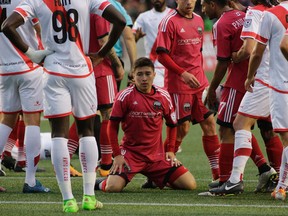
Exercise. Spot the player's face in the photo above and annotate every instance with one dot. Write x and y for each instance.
(186, 7)
(159, 5)
(144, 77)
(209, 9)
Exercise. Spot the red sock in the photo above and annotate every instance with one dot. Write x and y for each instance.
(274, 149)
(73, 140)
(102, 185)
(106, 149)
(211, 147)
(225, 161)
(21, 159)
(256, 154)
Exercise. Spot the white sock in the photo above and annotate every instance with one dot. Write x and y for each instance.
(61, 161)
(283, 175)
(243, 144)
(5, 132)
(88, 154)
(32, 141)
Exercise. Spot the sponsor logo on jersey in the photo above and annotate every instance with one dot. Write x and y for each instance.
(247, 23)
(5, 2)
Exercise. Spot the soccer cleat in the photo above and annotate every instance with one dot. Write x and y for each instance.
(228, 188)
(272, 183)
(264, 179)
(70, 206)
(91, 203)
(103, 173)
(215, 184)
(19, 168)
(8, 162)
(74, 172)
(149, 185)
(38, 188)
(279, 194)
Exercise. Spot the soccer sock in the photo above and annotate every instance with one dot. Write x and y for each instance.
(11, 141)
(283, 180)
(21, 157)
(88, 156)
(211, 147)
(102, 185)
(97, 128)
(243, 149)
(5, 132)
(225, 161)
(73, 141)
(61, 162)
(274, 149)
(106, 149)
(32, 142)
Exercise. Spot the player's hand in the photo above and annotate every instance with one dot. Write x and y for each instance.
(118, 164)
(249, 83)
(211, 101)
(37, 56)
(234, 57)
(119, 73)
(130, 80)
(139, 34)
(170, 156)
(190, 80)
(95, 59)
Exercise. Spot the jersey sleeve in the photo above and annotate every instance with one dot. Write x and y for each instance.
(265, 27)
(26, 9)
(119, 107)
(164, 36)
(251, 24)
(168, 109)
(98, 6)
(222, 37)
(101, 25)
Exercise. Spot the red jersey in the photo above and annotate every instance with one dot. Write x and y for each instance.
(226, 38)
(142, 116)
(182, 39)
(99, 27)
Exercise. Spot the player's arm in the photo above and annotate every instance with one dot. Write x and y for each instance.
(9, 27)
(130, 44)
(284, 46)
(245, 51)
(220, 71)
(170, 64)
(254, 62)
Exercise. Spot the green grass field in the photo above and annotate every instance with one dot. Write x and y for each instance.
(136, 201)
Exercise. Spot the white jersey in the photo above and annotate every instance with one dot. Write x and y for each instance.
(250, 30)
(12, 60)
(65, 30)
(149, 22)
(271, 30)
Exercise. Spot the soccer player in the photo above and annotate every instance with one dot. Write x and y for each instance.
(253, 106)
(271, 30)
(284, 45)
(21, 90)
(69, 83)
(140, 109)
(179, 49)
(146, 25)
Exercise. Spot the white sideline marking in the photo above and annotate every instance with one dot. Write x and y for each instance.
(156, 204)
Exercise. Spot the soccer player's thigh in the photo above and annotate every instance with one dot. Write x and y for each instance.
(10, 99)
(31, 91)
(199, 110)
(106, 89)
(279, 110)
(256, 104)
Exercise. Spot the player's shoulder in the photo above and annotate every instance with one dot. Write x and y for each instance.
(169, 18)
(163, 92)
(125, 92)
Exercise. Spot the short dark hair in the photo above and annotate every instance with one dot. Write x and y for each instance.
(143, 62)
(218, 2)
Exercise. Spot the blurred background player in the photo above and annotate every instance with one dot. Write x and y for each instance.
(146, 26)
(179, 49)
(284, 45)
(140, 109)
(21, 90)
(69, 83)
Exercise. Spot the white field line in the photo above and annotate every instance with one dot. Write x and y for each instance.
(153, 204)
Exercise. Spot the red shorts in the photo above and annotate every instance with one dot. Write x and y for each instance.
(160, 172)
(228, 108)
(190, 107)
(106, 88)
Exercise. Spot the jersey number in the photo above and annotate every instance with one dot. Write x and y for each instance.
(64, 23)
(3, 16)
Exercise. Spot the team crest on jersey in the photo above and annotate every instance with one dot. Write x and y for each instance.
(187, 107)
(200, 30)
(157, 105)
(4, 2)
(247, 23)
(173, 117)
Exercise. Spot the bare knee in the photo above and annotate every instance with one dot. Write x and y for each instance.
(114, 184)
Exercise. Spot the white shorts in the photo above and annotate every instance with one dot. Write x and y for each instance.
(22, 92)
(159, 78)
(279, 111)
(64, 96)
(257, 104)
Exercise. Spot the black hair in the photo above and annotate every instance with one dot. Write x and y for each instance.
(143, 62)
(219, 2)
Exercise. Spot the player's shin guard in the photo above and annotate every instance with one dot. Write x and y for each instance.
(256, 154)
(225, 161)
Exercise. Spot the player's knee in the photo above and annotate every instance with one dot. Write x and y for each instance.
(113, 188)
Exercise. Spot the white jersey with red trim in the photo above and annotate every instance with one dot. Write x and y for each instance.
(271, 30)
(250, 30)
(12, 60)
(65, 30)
